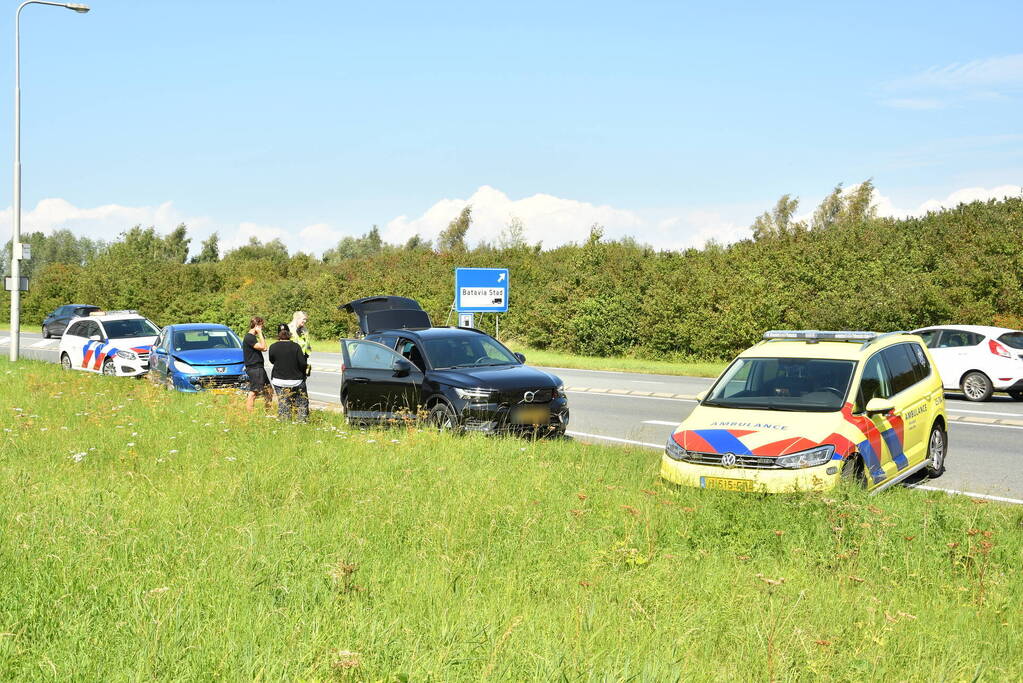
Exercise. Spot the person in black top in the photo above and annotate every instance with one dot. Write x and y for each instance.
(253, 346)
(288, 379)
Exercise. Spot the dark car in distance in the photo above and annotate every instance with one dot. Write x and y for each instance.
(462, 378)
(56, 322)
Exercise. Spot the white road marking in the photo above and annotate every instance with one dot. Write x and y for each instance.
(41, 344)
(616, 439)
(643, 381)
(960, 423)
(320, 393)
(660, 422)
(655, 398)
(983, 412)
(5, 340)
(956, 492)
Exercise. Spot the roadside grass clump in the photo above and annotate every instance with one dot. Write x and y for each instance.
(147, 534)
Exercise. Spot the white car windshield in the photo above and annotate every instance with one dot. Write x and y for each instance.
(130, 327)
(799, 384)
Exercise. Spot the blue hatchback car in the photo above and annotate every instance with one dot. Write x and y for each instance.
(196, 356)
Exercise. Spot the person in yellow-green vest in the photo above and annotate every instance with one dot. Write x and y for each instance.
(300, 335)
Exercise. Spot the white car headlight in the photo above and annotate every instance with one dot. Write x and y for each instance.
(808, 458)
(674, 451)
(477, 394)
(183, 367)
(127, 355)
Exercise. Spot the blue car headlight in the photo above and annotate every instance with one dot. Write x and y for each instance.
(183, 367)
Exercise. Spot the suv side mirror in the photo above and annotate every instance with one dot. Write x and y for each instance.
(401, 367)
(877, 406)
(95, 337)
(521, 357)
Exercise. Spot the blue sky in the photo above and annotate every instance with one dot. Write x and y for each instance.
(675, 122)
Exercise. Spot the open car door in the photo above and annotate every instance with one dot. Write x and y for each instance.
(377, 313)
(378, 384)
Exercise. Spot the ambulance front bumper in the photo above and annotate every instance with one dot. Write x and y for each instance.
(820, 478)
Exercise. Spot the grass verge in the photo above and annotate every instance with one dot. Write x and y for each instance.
(558, 359)
(146, 534)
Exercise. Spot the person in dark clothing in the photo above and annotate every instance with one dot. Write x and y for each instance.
(288, 378)
(253, 346)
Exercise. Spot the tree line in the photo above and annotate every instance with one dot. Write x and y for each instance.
(843, 268)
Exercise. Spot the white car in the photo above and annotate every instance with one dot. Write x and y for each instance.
(111, 342)
(976, 359)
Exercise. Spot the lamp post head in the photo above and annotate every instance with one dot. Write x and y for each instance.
(81, 9)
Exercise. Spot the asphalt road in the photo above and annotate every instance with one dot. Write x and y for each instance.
(985, 451)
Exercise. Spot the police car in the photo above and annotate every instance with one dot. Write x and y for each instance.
(110, 342)
(802, 410)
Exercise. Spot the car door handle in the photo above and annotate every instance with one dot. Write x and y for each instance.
(359, 380)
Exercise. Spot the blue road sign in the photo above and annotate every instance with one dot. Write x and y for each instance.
(481, 290)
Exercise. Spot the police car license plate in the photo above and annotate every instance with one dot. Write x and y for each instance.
(531, 415)
(726, 484)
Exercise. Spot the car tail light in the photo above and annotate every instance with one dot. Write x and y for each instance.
(998, 349)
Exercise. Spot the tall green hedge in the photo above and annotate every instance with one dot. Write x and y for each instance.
(606, 298)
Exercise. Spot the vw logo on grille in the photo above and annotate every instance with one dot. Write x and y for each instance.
(528, 396)
(728, 460)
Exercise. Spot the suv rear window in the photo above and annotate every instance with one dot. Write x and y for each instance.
(1013, 339)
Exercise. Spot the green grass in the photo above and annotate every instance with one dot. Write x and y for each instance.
(151, 535)
(6, 327)
(558, 359)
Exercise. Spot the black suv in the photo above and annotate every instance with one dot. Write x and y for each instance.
(463, 378)
(55, 323)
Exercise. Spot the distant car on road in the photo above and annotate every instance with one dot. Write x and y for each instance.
(976, 359)
(197, 356)
(111, 342)
(463, 378)
(804, 409)
(56, 322)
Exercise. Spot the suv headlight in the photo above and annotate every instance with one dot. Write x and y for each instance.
(674, 451)
(183, 367)
(477, 394)
(808, 458)
(127, 355)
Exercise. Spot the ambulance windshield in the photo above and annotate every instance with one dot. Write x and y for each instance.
(800, 384)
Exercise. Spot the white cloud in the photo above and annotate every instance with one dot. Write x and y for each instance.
(990, 79)
(886, 207)
(993, 72)
(545, 218)
(548, 219)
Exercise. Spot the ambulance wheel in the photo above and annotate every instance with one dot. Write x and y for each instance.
(65, 361)
(1016, 395)
(853, 473)
(976, 386)
(937, 449)
(108, 367)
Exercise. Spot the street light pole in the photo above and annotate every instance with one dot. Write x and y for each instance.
(16, 251)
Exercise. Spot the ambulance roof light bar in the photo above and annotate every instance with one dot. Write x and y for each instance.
(819, 335)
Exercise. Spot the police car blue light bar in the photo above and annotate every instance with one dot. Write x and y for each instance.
(820, 335)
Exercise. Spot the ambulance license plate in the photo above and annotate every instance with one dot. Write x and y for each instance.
(531, 415)
(726, 484)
